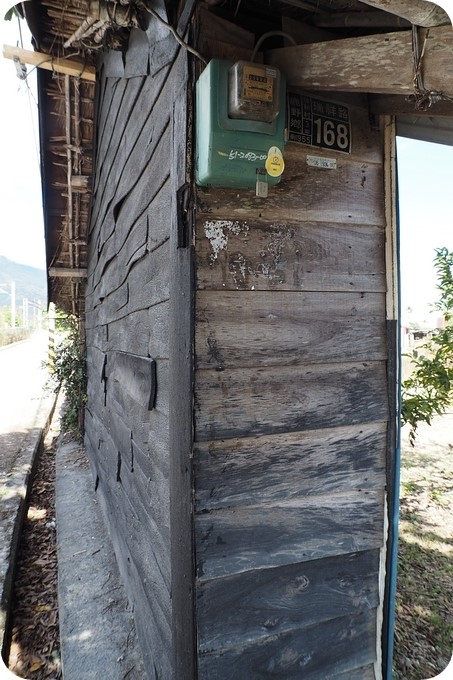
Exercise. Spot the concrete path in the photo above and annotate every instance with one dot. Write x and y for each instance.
(97, 632)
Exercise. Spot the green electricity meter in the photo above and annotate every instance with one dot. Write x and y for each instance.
(240, 125)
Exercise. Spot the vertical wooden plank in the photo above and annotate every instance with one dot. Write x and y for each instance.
(389, 550)
(181, 389)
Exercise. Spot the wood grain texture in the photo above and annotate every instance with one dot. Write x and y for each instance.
(143, 512)
(147, 333)
(149, 116)
(146, 284)
(129, 237)
(125, 399)
(181, 407)
(245, 402)
(151, 622)
(267, 469)
(111, 91)
(381, 63)
(351, 194)
(110, 147)
(298, 530)
(253, 254)
(137, 377)
(245, 328)
(255, 605)
(153, 615)
(363, 673)
(329, 648)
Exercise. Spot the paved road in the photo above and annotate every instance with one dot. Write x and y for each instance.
(24, 409)
(22, 378)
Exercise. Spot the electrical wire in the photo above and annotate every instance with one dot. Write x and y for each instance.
(178, 39)
(270, 34)
(30, 95)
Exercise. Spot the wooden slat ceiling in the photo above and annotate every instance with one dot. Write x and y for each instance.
(82, 29)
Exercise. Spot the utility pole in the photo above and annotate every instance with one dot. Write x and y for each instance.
(13, 304)
(12, 295)
(25, 312)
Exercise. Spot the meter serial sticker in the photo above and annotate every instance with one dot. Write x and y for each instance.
(257, 84)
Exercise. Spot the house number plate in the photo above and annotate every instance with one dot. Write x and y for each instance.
(318, 123)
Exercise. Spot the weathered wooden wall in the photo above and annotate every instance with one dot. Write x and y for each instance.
(129, 302)
(289, 395)
(291, 419)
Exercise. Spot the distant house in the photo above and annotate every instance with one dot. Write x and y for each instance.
(242, 349)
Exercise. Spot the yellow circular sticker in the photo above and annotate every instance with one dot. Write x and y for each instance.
(274, 162)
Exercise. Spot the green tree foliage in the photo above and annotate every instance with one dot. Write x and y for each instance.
(429, 390)
(69, 371)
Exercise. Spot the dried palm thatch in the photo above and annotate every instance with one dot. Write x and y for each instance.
(75, 29)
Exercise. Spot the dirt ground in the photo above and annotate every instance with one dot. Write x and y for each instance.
(424, 608)
(35, 645)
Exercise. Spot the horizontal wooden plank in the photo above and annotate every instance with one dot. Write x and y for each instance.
(137, 376)
(380, 63)
(142, 519)
(140, 471)
(152, 610)
(397, 105)
(272, 601)
(133, 231)
(252, 254)
(311, 653)
(245, 402)
(110, 148)
(362, 673)
(256, 470)
(143, 332)
(126, 397)
(149, 433)
(351, 194)
(152, 116)
(275, 328)
(148, 436)
(110, 96)
(146, 285)
(235, 540)
(153, 630)
(70, 67)
(136, 202)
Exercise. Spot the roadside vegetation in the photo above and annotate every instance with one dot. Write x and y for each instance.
(68, 372)
(429, 389)
(424, 607)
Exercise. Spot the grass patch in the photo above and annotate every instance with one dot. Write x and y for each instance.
(424, 610)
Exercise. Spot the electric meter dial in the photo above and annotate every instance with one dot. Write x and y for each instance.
(253, 91)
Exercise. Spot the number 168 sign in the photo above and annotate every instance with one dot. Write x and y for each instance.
(318, 122)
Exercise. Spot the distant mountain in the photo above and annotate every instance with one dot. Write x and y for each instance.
(30, 282)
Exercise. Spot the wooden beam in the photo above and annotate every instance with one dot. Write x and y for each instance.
(397, 105)
(418, 12)
(80, 182)
(380, 63)
(67, 272)
(68, 67)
